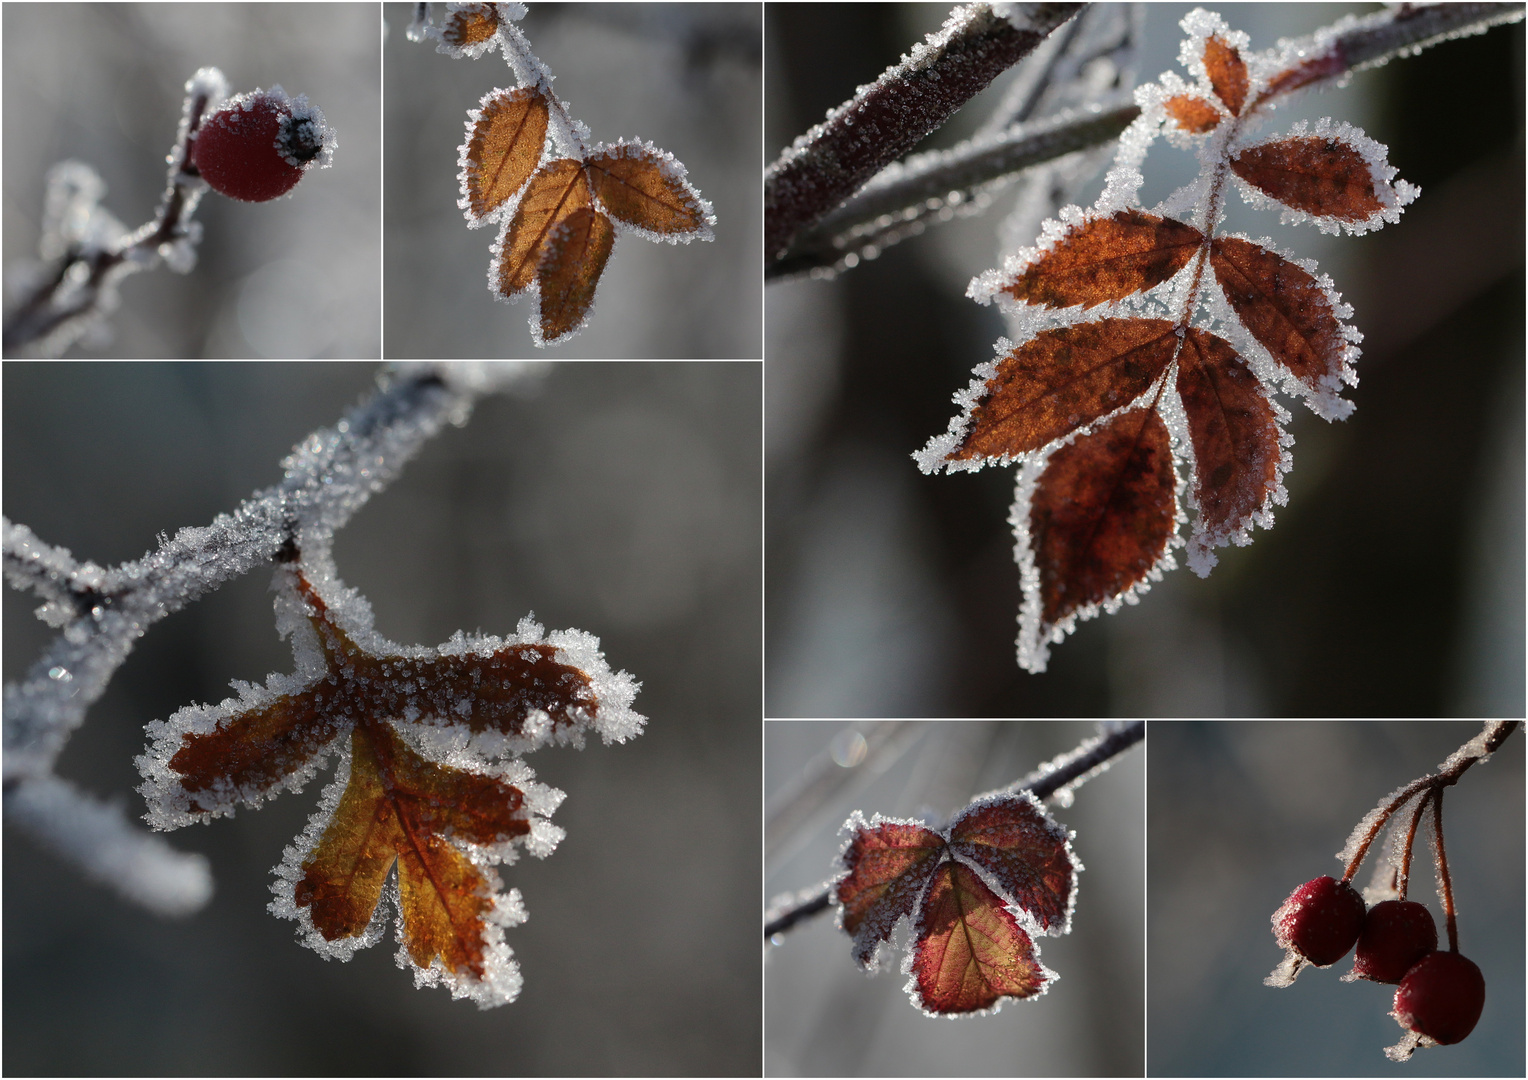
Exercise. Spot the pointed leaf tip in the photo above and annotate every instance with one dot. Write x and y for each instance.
(572, 261)
(1228, 73)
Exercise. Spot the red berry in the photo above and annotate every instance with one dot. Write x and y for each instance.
(1396, 934)
(257, 145)
(1441, 997)
(1320, 921)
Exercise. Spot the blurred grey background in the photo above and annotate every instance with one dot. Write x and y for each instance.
(826, 1017)
(104, 83)
(684, 77)
(622, 499)
(1240, 814)
(1392, 583)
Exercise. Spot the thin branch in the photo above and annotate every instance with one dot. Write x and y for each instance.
(1350, 45)
(1066, 772)
(876, 127)
(1445, 884)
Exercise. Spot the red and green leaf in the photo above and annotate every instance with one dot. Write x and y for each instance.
(886, 865)
(971, 952)
(1026, 852)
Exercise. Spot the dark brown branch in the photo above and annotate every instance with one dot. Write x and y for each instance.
(1071, 769)
(875, 128)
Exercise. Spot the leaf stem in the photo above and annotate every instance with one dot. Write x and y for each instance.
(1445, 885)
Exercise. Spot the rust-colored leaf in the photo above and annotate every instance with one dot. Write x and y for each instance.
(504, 145)
(1028, 854)
(1193, 113)
(971, 951)
(572, 260)
(886, 865)
(1228, 73)
(472, 24)
(1102, 513)
(558, 189)
(398, 807)
(1106, 259)
(1320, 175)
(1283, 306)
(1235, 435)
(635, 184)
(1064, 379)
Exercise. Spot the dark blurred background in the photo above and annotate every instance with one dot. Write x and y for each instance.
(826, 1017)
(104, 84)
(622, 499)
(1393, 581)
(686, 78)
(1240, 814)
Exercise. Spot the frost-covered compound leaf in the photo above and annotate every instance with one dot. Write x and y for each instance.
(640, 185)
(1084, 403)
(505, 138)
(424, 802)
(1107, 258)
(572, 260)
(974, 895)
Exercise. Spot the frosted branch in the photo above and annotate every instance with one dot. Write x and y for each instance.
(889, 117)
(91, 252)
(1063, 774)
(102, 612)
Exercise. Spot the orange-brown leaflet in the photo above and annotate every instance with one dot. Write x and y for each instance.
(1228, 74)
(399, 807)
(504, 148)
(633, 188)
(1232, 427)
(1064, 379)
(555, 192)
(473, 24)
(970, 949)
(573, 258)
(1193, 113)
(1102, 513)
(1283, 306)
(1107, 259)
(1321, 176)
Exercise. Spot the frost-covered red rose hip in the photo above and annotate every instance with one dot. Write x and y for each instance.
(1396, 934)
(1441, 997)
(1320, 921)
(257, 145)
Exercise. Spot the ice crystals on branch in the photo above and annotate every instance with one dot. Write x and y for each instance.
(1149, 343)
(975, 895)
(430, 794)
(527, 166)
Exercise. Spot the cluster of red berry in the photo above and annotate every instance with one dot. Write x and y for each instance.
(1440, 995)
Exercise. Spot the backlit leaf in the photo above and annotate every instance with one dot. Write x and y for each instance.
(1062, 380)
(971, 951)
(1015, 840)
(643, 187)
(505, 138)
(1102, 514)
(1283, 306)
(572, 260)
(470, 25)
(1107, 258)
(1235, 436)
(885, 865)
(1322, 176)
(555, 192)
(1228, 73)
(1193, 113)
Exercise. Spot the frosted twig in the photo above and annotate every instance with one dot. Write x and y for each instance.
(1069, 771)
(890, 116)
(103, 612)
(1351, 44)
(96, 252)
(1445, 884)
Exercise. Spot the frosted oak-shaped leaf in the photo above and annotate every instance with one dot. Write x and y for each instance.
(423, 804)
(974, 894)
